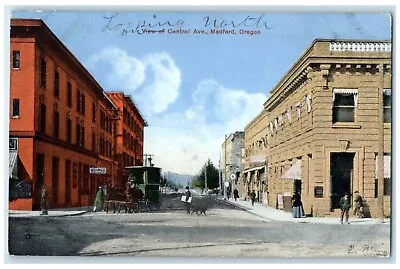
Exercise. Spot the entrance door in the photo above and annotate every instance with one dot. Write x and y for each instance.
(297, 186)
(68, 185)
(39, 180)
(341, 176)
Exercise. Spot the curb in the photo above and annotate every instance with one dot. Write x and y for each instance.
(46, 216)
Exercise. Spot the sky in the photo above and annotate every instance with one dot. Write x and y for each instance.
(195, 88)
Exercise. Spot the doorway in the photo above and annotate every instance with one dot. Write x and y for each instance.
(39, 180)
(342, 167)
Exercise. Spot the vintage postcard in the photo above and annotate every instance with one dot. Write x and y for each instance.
(200, 134)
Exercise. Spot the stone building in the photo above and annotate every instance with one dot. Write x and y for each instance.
(231, 163)
(61, 122)
(328, 128)
(255, 159)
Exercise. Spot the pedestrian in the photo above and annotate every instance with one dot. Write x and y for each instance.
(298, 210)
(235, 194)
(188, 195)
(228, 194)
(345, 207)
(253, 197)
(99, 201)
(44, 199)
(358, 203)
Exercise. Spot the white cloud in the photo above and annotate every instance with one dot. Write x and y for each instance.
(182, 142)
(128, 73)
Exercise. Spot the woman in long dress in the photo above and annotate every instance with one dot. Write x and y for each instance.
(298, 211)
(99, 201)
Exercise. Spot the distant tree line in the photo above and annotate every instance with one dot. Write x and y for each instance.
(212, 177)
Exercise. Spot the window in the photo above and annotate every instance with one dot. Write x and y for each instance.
(344, 103)
(78, 101)
(69, 130)
(93, 142)
(82, 136)
(43, 118)
(15, 108)
(69, 94)
(387, 105)
(56, 84)
(56, 125)
(55, 180)
(308, 102)
(42, 73)
(78, 134)
(16, 59)
(94, 112)
(83, 104)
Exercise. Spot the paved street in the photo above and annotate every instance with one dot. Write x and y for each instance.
(224, 232)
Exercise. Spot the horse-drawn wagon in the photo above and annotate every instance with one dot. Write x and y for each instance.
(141, 194)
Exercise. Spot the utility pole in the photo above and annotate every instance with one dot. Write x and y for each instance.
(225, 196)
(380, 145)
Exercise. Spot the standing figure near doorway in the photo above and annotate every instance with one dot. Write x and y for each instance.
(345, 207)
(298, 211)
(358, 203)
(99, 201)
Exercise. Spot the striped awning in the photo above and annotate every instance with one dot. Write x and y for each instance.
(12, 163)
(294, 172)
(386, 166)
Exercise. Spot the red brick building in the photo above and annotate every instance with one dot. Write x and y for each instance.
(130, 135)
(61, 120)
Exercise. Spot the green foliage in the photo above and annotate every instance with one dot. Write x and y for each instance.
(212, 176)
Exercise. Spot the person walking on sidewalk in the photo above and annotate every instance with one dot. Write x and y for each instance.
(99, 201)
(298, 211)
(345, 207)
(235, 194)
(44, 200)
(253, 197)
(358, 203)
(188, 194)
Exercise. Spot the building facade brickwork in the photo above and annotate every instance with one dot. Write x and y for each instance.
(61, 117)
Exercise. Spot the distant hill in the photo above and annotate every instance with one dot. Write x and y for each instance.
(179, 178)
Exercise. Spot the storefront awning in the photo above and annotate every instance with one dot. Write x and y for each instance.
(254, 168)
(294, 172)
(386, 166)
(12, 162)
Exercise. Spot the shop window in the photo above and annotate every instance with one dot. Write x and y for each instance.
(16, 59)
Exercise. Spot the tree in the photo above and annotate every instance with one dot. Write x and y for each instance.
(212, 176)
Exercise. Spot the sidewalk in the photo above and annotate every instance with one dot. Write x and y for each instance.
(56, 212)
(272, 214)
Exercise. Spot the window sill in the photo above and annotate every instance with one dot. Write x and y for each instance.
(16, 68)
(346, 125)
(15, 117)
